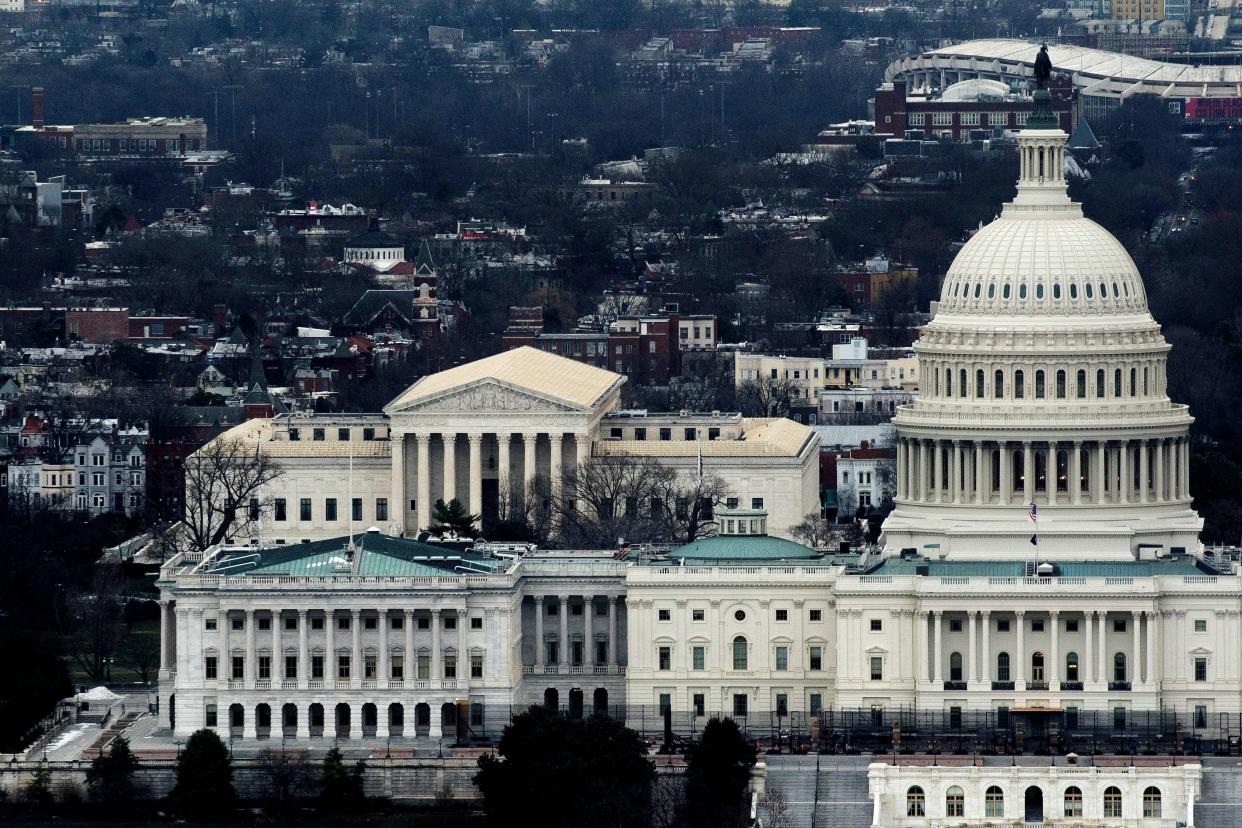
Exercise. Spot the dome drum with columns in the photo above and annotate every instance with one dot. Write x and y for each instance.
(1043, 382)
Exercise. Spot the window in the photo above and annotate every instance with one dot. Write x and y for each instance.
(782, 704)
(317, 667)
(355, 507)
(342, 434)
(291, 667)
(1039, 385)
(699, 702)
(1060, 385)
(666, 658)
(450, 666)
(1119, 625)
(740, 615)
(978, 385)
(1200, 625)
(665, 703)
(1071, 626)
(739, 705)
(1119, 718)
(955, 717)
(476, 666)
(994, 802)
(1002, 625)
(1200, 715)
(1071, 666)
(816, 660)
(1037, 625)
(877, 624)
(877, 668)
(817, 615)
(739, 652)
(476, 623)
(1112, 802)
(782, 658)
(782, 615)
(955, 625)
(756, 503)
(210, 668)
(1082, 384)
(1119, 667)
(317, 435)
(238, 668)
(665, 615)
(278, 508)
(697, 615)
(1071, 718)
(342, 667)
(1019, 385)
(1073, 802)
(954, 802)
(1200, 668)
(698, 657)
(209, 623)
(1002, 667)
(1099, 384)
(381, 508)
(915, 802)
(955, 666)
(304, 509)
(329, 509)
(1151, 803)
(237, 623)
(998, 385)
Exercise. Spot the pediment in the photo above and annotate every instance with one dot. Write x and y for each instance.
(488, 396)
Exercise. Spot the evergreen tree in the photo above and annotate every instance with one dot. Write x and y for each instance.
(452, 518)
(204, 775)
(111, 777)
(718, 775)
(39, 790)
(342, 786)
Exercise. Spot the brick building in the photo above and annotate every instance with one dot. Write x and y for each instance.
(960, 110)
(646, 349)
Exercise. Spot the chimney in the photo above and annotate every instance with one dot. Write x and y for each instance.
(36, 107)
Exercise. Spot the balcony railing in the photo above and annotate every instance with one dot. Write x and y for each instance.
(314, 684)
(237, 684)
(1119, 685)
(1071, 685)
(263, 684)
(955, 685)
(396, 684)
(289, 684)
(369, 684)
(1002, 685)
(1037, 685)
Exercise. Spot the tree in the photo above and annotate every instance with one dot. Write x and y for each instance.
(38, 792)
(204, 783)
(580, 772)
(224, 491)
(141, 653)
(718, 775)
(775, 808)
(111, 777)
(96, 615)
(815, 531)
(286, 772)
(766, 397)
(452, 519)
(342, 786)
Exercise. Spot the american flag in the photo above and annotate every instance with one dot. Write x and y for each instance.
(1034, 516)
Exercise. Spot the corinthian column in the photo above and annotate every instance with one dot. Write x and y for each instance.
(423, 518)
(476, 473)
(450, 466)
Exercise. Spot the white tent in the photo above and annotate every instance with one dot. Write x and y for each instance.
(97, 694)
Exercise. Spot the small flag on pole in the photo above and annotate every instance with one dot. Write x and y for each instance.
(1034, 514)
(1035, 520)
(700, 460)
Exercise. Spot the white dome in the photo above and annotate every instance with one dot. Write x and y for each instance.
(1027, 263)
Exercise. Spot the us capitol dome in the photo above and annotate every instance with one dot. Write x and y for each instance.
(1043, 382)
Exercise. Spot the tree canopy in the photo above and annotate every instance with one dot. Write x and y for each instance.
(204, 775)
(111, 777)
(718, 775)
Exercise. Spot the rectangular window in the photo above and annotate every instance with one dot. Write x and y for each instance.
(698, 657)
(342, 434)
(696, 615)
(238, 668)
(210, 717)
(237, 623)
(278, 508)
(1119, 718)
(265, 667)
(955, 718)
(1119, 625)
(450, 667)
(342, 667)
(291, 667)
(368, 434)
(666, 658)
(877, 624)
(782, 658)
(317, 623)
(1201, 716)
(316, 667)
(1071, 718)
(816, 703)
(396, 666)
(666, 434)
(1071, 626)
(317, 435)
(817, 658)
(817, 615)
(304, 509)
(329, 509)
(424, 667)
(381, 508)
(877, 668)
(209, 668)
(739, 705)
(209, 623)
(756, 503)
(640, 433)
(476, 623)
(782, 615)
(476, 666)
(666, 703)
(1002, 625)
(782, 704)
(699, 700)
(664, 615)
(369, 667)
(291, 623)
(355, 506)
(1200, 668)
(1200, 625)
(1037, 625)
(955, 625)
(370, 623)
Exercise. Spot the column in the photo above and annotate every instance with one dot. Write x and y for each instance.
(938, 663)
(503, 483)
(1153, 672)
(1087, 667)
(530, 463)
(1142, 449)
(1097, 479)
(251, 665)
(588, 638)
(303, 659)
(409, 659)
(979, 479)
(1054, 671)
(1101, 659)
(450, 466)
(972, 664)
(937, 472)
(437, 671)
(399, 505)
(986, 661)
(903, 468)
(1051, 473)
(355, 654)
(956, 484)
(463, 650)
(923, 487)
(557, 464)
(1184, 476)
(277, 666)
(920, 646)
(564, 635)
(1159, 471)
(1075, 473)
(1021, 660)
(224, 668)
(423, 504)
(1136, 672)
(612, 633)
(164, 621)
(1123, 472)
(476, 473)
(538, 633)
(1005, 484)
(384, 668)
(434, 732)
(1028, 472)
(329, 666)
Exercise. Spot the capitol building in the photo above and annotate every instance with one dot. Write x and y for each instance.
(1042, 563)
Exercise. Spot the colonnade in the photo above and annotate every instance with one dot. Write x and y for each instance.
(565, 661)
(450, 444)
(980, 472)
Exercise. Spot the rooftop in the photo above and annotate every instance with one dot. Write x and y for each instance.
(1181, 565)
(374, 555)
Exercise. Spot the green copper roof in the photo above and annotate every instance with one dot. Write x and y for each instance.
(744, 547)
(1017, 569)
(378, 555)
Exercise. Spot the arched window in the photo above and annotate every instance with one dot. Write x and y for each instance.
(1133, 383)
(979, 384)
(1099, 383)
(1056, 290)
(1082, 384)
(991, 290)
(1022, 291)
(1145, 392)
(1037, 666)
(994, 802)
(1088, 290)
(739, 653)
(1005, 291)
(954, 802)
(1073, 802)
(1071, 666)
(1039, 385)
(916, 804)
(1117, 383)
(1002, 667)
(1103, 291)
(948, 382)
(1119, 667)
(1039, 291)
(1112, 802)
(1060, 385)
(961, 382)
(955, 666)
(1019, 385)
(978, 286)
(1073, 290)
(998, 386)
(1151, 803)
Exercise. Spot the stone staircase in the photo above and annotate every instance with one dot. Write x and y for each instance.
(842, 790)
(1220, 800)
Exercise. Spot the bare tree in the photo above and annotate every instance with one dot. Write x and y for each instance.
(225, 491)
(286, 771)
(668, 801)
(775, 808)
(96, 616)
(847, 503)
(815, 531)
(766, 397)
